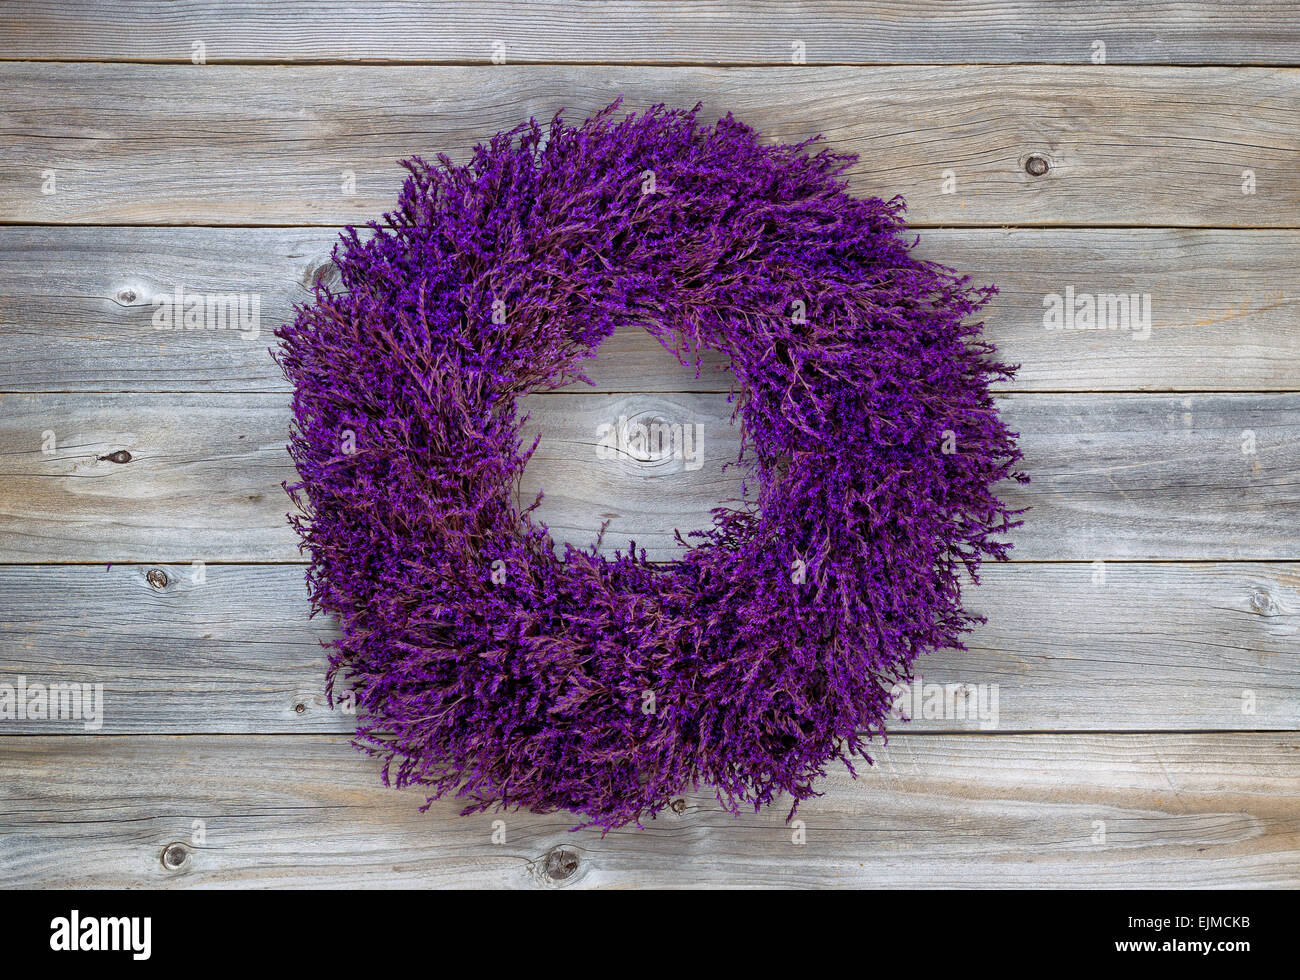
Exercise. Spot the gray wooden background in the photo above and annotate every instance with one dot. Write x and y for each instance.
(1144, 641)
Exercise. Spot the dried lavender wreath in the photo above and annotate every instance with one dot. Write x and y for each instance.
(600, 685)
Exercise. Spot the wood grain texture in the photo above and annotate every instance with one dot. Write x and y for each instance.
(203, 480)
(1074, 811)
(77, 304)
(214, 145)
(1114, 476)
(729, 32)
(1070, 647)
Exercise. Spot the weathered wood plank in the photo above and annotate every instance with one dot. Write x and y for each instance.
(178, 648)
(1114, 476)
(1077, 811)
(1067, 647)
(276, 145)
(393, 31)
(203, 479)
(77, 305)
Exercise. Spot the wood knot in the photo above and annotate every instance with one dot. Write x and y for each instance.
(127, 296)
(678, 806)
(561, 864)
(175, 856)
(1036, 165)
(121, 456)
(322, 273)
(300, 707)
(1262, 602)
(157, 578)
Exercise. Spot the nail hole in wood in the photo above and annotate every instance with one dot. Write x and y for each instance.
(175, 856)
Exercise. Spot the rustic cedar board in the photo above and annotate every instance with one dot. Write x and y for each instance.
(270, 144)
(1115, 476)
(1177, 809)
(1146, 639)
(1132, 646)
(727, 32)
(73, 295)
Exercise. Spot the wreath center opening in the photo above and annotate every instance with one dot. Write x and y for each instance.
(643, 452)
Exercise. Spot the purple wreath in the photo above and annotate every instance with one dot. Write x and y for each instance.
(607, 686)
